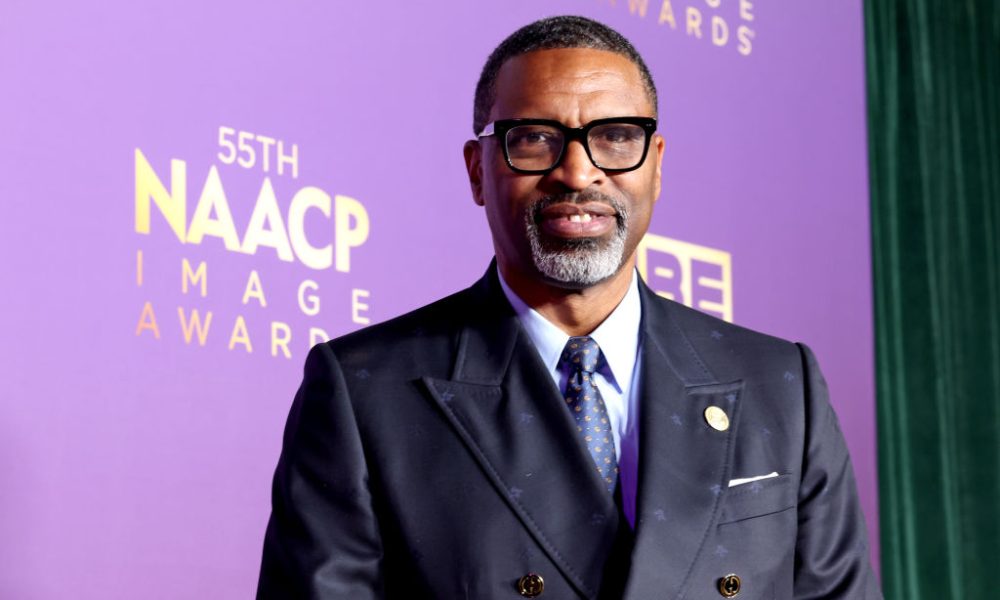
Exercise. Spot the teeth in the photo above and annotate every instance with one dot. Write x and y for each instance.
(584, 218)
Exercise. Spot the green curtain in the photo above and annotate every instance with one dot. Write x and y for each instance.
(933, 70)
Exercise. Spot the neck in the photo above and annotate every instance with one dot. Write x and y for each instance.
(575, 311)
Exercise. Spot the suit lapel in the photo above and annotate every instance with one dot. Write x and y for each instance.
(684, 464)
(504, 405)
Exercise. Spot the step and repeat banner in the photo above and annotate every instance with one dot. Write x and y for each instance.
(194, 193)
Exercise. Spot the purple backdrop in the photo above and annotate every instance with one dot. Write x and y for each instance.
(136, 464)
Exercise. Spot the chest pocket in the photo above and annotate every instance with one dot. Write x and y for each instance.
(758, 499)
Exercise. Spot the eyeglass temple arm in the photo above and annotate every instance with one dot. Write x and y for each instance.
(487, 131)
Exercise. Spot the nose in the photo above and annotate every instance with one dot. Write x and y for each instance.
(576, 171)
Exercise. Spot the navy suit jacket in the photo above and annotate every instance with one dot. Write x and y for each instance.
(431, 456)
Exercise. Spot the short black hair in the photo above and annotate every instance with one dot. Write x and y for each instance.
(551, 33)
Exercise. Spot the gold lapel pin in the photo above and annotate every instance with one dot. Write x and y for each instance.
(717, 418)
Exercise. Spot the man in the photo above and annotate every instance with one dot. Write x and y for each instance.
(557, 428)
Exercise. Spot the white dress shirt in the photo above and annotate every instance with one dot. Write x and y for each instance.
(617, 376)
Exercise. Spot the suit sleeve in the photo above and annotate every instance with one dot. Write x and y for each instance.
(322, 539)
(831, 556)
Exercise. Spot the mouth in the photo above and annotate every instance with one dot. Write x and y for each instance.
(573, 221)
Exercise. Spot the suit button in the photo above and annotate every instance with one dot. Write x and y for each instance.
(531, 585)
(729, 586)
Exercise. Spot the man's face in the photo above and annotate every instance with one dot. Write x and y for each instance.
(577, 225)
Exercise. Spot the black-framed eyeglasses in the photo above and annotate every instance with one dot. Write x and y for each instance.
(535, 146)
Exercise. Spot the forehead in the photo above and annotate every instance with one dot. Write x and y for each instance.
(573, 85)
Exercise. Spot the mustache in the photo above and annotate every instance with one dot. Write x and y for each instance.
(581, 197)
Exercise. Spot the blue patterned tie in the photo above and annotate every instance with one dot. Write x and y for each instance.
(582, 354)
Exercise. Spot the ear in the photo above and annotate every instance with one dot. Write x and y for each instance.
(658, 145)
(473, 152)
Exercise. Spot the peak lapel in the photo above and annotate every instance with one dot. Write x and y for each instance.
(504, 405)
(684, 462)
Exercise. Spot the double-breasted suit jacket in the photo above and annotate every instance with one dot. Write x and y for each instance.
(432, 456)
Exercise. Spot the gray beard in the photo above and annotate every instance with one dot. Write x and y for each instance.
(577, 263)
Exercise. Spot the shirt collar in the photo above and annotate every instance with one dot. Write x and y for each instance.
(618, 335)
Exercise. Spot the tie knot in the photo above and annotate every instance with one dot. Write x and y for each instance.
(582, 353)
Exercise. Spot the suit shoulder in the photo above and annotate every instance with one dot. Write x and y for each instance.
(414, 334)
(695, 321)
(725, 342)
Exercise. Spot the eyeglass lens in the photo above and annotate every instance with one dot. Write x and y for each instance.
(611, 145)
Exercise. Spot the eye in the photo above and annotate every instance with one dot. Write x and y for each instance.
(617, 134)
(533, 136)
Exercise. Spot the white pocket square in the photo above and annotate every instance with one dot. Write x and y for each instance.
(743, 480)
